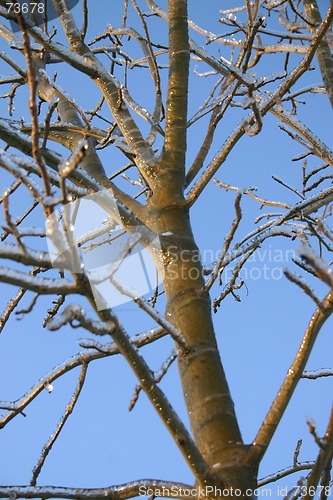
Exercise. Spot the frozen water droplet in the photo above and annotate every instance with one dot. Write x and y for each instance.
(48, 387)
(279, 107)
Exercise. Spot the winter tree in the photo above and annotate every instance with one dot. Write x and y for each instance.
(133, 134)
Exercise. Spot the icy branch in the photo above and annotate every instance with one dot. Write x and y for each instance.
(276, 476)
(28, 257)
(314, 374)
(85, 357)
(76, 312)
(12, 136)
(120, 492)
(291, 380)
(321, 269)
(69, 409)
(45, 286)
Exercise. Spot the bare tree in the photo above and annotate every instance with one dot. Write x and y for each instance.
(257, 66)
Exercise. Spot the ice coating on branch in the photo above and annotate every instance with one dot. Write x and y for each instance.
(67, 315)
(278, 75)
(16, 44)
(279, 107)
(28, 256)
(246, 103)
(36, 283)
(94, 344)
(69, 165)
(231, 17)
(76, 312)
(323, 271)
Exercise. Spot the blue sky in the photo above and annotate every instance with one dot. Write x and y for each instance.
(102, 443)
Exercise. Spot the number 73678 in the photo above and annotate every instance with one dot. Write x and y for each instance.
(25, 8)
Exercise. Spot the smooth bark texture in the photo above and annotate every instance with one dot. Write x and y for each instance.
(324, 52)
(209, 404)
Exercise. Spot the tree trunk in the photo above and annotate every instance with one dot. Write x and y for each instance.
(210, 408)
(206, 392)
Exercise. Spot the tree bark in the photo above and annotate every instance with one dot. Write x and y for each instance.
(324, 54)
(210, 407)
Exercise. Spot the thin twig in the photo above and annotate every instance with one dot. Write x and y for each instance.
(299, 281)
(85, 20)
(227, 242)
(325, 454)
(117, 492)
(291, 380)
(158, 377)
(32, 85)
(69, 409)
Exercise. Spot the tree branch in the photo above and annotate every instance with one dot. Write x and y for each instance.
(44, 286)
(32, 85)
(324, 54)
(91, 353)
(279, 405)
(120, 492)
(324, 456)
(69, 409)
(176, 107)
